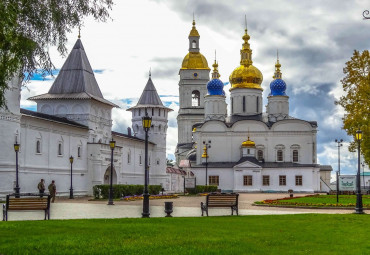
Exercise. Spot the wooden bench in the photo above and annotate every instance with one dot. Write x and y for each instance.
(221, 200)
(26, 202)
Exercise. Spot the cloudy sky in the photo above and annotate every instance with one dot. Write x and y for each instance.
(314, 38)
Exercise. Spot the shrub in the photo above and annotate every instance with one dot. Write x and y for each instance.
(202, 189)
(121, 190)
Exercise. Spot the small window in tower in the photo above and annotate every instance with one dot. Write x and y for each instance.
(195, 96)
(159, 112)
(152, 111)
(193, 44)
(140, 159)
(139, 112)
(243, 103)
(257, 103)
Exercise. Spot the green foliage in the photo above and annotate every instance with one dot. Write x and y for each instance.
(202, 189)
(270, 234)
(121, 190)
(29, 28)
(356, 102)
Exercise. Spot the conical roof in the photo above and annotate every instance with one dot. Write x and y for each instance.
(76, 79)
(76, 75)
(150, 98)
(150, 95)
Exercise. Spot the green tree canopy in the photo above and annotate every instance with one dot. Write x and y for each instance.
(356, 102)
(29, 27)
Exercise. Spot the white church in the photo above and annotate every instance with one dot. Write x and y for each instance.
(246, 151)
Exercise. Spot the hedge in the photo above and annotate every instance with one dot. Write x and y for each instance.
(202, 189)
(121, 190)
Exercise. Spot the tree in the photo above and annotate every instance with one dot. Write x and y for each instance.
(29, 27)
(356, 102)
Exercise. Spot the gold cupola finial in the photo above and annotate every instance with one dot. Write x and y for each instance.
(79, 31)
(277, 74)
(246, 52)
(194, 31)
(215, 74)
(248, 143)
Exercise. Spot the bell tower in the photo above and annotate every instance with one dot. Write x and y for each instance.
(194, 75)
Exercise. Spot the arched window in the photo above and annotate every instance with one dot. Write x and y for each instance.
(260, 155)
(193, 44)
(295, 155)
(195, 96)
(279, 155)
(159, 128)
(243, 103)
(38, 146)
(139, 112)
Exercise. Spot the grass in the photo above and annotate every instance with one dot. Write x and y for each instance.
(272, 234)
(320, 201)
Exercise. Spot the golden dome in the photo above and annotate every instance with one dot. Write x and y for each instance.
(194, 60)
(246, 75)
(248, 143)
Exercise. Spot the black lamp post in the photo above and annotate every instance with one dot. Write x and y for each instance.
(205, 157)
(359, 208)
(112, 145)
(339, 144)
(71, 189)
(147, 122)
(16, 149)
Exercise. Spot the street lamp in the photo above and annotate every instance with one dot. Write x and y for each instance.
(205, 157)
(112, 145)
(359, 208)
(339, 144)
(71, 189)
(147, 123)
(16, 149)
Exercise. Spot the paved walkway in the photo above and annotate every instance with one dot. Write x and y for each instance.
(82, 208)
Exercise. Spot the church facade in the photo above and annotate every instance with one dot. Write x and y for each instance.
(74, 119)
(247, 150)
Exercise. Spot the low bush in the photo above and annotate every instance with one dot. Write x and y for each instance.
(202, 189)
(121, 190)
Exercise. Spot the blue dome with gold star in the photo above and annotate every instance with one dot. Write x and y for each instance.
(215, 86)
(277, 86)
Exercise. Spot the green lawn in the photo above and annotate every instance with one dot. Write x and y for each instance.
(320, 201)
(283, 234)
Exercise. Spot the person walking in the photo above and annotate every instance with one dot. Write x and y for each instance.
(41, 187)
(52, 190)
